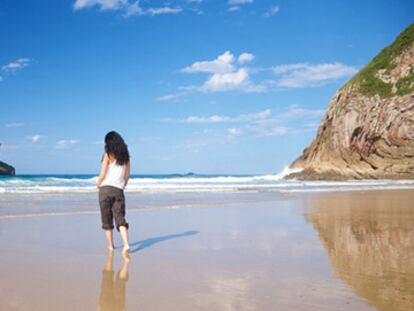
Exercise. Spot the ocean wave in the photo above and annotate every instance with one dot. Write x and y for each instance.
(176, 183)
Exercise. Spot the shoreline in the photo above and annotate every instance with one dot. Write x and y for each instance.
(137, 202)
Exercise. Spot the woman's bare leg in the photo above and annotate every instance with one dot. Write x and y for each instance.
(124, 235)
(110, 238)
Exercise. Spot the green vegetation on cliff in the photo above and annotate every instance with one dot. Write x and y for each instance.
(367, 81)
(405, 85)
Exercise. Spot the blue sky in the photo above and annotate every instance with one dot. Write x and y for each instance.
(236, 86)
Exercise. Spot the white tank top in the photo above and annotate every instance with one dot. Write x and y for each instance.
(115, 176)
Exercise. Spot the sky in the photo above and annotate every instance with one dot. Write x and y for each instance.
(205, 86)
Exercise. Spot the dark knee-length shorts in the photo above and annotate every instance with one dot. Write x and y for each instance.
(112, 204)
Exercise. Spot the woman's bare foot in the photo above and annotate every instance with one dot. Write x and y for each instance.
(126, 249)
(111, 248)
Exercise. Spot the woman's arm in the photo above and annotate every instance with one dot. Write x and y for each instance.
(104, 168)
(127, 172)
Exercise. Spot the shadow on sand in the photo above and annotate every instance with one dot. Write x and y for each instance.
(140, 245)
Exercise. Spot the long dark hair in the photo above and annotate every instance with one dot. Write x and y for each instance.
(116, 148)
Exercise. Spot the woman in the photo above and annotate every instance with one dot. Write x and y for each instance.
(111, 182)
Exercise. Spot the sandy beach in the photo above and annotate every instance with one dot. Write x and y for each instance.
(319, 251)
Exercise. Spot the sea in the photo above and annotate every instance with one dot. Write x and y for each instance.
(188, 183)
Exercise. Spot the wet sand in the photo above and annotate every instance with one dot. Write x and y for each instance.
(325, 251)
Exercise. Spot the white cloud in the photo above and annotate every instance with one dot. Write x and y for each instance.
(225, 74)
(288, 67)
(169, 97)
(305, 75)
(242, 118)
(15, 124)
(272, 11)
(245, 58)
(66, 143)
(222, 64)
(234, 132)
(235, 2)
(228, 72)
(134, 9)
(130, 8)
(210, 119)
(102, 4)
(183, 90)
(17, 65)
(294, 120)
(234, 8)
(163, 10)
(227, 81)
(35, 138)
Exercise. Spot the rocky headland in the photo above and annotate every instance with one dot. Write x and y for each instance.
(6, 169)
(368, 129)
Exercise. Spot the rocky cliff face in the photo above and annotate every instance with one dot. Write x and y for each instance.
(368, 130)
(6, 169)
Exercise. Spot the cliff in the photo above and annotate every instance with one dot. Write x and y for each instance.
(368, 129)
(6, 169)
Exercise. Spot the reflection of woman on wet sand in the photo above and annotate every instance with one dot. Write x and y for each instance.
(112, 295)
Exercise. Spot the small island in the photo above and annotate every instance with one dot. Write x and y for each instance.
(6, 169)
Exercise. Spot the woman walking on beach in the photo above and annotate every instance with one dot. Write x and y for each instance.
(111, 182)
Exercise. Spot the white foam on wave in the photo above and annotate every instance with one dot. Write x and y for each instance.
(287, 171)
(195, 184)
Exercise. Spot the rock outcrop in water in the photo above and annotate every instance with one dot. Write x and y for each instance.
(6, 169)
(368, 130)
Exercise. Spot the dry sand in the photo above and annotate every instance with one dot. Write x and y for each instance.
(334, 251)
